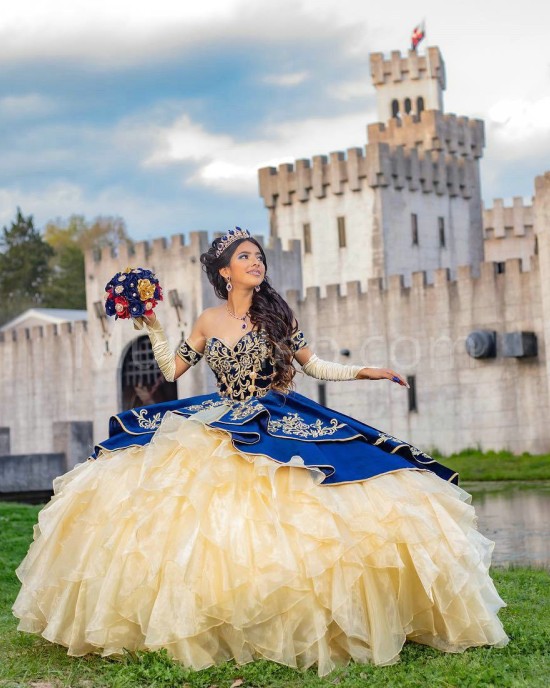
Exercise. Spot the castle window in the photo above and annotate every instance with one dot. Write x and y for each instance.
(141, 380)
(395, 108)
(500, 268)
(322, 393)
(414, 229)
(342, 232)
(408, 105)
(411, 379)
(307, 237)
(419, 105)
(441, 226)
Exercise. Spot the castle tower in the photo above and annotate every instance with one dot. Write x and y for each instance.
(409, 201)
(408, 85)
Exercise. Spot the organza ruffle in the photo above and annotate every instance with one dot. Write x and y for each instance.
(192, 545)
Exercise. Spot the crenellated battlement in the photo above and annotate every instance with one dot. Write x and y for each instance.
(501, 222)
(142, 251)
(379, 165)
(432, 130)
(409, 67)
(491, 277)
(64, 331)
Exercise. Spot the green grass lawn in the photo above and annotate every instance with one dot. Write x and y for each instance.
(472, 464)
(29, 660)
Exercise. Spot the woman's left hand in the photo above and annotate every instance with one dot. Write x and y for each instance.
(382, 374)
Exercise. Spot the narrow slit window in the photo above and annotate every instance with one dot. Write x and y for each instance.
(411, 379)
(322, 393)
(342, 232)
(307, 238)
(395, 108)
(414, 229)
(441, 227)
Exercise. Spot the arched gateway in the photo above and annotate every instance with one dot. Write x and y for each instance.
(141, 381)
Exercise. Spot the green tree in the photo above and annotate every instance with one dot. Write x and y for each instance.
(69, 240)
(24, 267)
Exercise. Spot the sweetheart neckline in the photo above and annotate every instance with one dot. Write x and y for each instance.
(232, 348)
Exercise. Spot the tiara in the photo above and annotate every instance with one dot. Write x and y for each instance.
(230, 237)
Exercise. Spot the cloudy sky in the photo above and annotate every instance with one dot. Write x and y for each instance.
(161, 112)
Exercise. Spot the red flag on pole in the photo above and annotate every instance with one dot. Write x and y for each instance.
(419, 32)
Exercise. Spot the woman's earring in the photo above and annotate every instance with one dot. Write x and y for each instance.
(257, 287)
(228, 284)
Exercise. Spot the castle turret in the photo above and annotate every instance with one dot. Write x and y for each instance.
(408, 85)
(410, 200)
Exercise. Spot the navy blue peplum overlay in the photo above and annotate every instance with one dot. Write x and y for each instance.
(282, 426)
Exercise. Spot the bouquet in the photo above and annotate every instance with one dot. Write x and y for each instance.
(132, 293)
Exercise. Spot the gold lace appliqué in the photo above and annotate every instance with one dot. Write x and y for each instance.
(293, 424)
(186, 352)
(209, 403)
(147, 423)
(245, 370)
(298, 341)
(385, 437)
(243, 411)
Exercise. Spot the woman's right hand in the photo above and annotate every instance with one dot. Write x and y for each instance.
(150, 320)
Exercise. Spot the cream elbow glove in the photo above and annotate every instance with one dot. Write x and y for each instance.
(161, 349)
(327, 370)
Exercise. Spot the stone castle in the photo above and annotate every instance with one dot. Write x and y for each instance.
(388, 258)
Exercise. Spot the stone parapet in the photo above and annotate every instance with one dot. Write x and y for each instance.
(500, 221)
(432, 131)
(410, 67)
(489, 275)
(378, 165)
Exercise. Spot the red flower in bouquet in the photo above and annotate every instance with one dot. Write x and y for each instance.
(149, 305)
(121, 307)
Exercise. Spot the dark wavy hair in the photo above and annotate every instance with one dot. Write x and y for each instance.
(269, 311)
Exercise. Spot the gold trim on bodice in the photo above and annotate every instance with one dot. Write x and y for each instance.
(248, 368)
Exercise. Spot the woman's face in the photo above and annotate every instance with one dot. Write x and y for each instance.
(246, 266)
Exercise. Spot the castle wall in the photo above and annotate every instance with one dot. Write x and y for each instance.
(541, 218)
(377, 192)
(509, 231)
(403, 257)
(328, 263)
(47, 374)
(421, 330)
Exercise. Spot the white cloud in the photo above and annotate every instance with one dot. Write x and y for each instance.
(290, 79)
(520, 128)
(349, 90)
(143, 215)
(99, 30)
(227, 164)
(126, 32)
(185, 140)
(28, 105)
(520, 118)
(64, 196)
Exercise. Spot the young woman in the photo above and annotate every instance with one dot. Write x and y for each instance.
(254, 522)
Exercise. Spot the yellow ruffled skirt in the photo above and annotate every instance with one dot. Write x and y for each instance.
(191, 545)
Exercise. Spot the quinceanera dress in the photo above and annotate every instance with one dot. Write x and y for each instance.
(253, 523)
